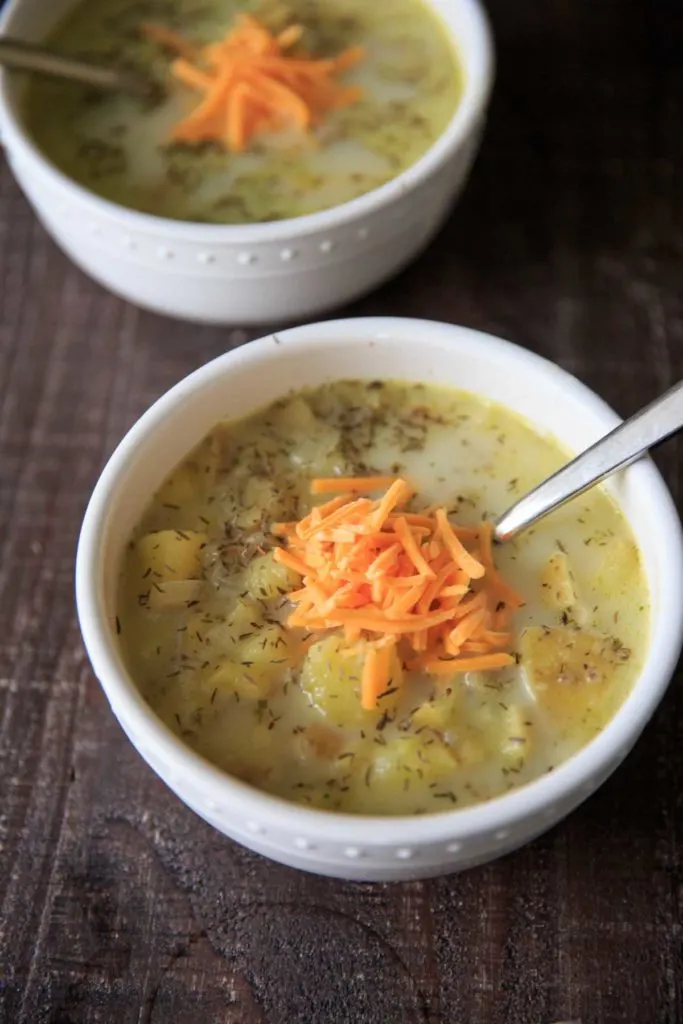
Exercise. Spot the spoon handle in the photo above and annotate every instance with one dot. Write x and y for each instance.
(23, 56)
(615, 451)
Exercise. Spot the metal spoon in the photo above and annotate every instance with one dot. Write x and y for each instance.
(22, 56)
(615, 451)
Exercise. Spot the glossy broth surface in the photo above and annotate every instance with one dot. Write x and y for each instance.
(203, 608)
(119, 149)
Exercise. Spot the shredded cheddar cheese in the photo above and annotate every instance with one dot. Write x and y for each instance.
(251, 83)
(423, 593)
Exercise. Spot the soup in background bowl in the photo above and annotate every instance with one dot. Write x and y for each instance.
(122, 149)
(378, 834)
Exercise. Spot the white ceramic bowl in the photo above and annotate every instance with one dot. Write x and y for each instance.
(238, 383)
(263, 272)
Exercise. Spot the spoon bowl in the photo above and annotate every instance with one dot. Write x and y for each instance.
(22, 56)
(617, 450)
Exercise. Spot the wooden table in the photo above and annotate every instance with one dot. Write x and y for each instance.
(118, 904)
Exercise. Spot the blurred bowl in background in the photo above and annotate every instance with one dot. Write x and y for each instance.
(261, 272)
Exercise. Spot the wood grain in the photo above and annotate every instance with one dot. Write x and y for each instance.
(117, 903)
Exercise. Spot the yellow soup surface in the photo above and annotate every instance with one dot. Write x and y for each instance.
(119, 148)
(203, 608)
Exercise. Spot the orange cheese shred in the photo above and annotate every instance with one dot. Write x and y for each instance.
(357, 484)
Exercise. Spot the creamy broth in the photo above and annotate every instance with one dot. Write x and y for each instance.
(119, 149)
(203, 608)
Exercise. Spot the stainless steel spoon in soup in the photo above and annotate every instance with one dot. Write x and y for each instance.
(618, 449)
(23, 56)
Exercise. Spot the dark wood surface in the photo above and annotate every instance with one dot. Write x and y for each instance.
(117, 903)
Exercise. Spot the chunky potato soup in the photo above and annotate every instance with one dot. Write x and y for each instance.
(214, 624)
(408, 83)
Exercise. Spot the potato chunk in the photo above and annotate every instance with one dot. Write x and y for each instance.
(231, 678)
(620, 566)
(171, 555)
(296, 416)
(558, 583)
(313, 440)
(421, 763)
(331, 678)
(440, 712)
(320, 742)
(248, 753)
(412, 754)
(472, 750)
(210, 636)
(570, 671)
(264, 503)
(268, 649)
(234, 677)
(516, 742)
(559, 589)
(332, 681)
(254, 665)
(173, 595)
(267, 579)
(245, 616)
(194, 477)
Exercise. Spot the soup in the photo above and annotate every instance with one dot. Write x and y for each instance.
(208, 603)
(120, 148)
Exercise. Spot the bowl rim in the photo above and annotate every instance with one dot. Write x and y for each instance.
(579, 774)
(478, 82)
